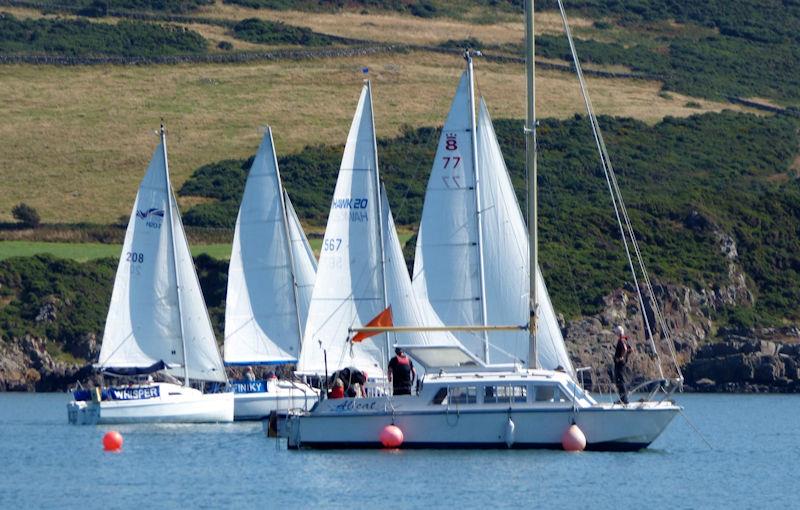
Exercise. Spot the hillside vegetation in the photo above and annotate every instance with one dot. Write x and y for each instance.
(733, 170)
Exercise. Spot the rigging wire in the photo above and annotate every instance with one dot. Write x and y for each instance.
(621, 213)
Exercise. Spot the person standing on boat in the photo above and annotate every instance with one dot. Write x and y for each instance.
(401, 373)
(621, 354)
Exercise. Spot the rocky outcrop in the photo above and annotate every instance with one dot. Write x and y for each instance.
(750, 365)
(26, 365)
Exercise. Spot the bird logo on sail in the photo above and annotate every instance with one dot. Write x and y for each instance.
(150, 216)
(153, 211)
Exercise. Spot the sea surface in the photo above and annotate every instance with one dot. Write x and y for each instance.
(46, 463)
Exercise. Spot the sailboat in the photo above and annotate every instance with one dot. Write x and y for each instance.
(498, 386)
(361, 269)
(270, 278)
(157, 322)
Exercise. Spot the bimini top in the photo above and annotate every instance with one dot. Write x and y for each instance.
(450, 358)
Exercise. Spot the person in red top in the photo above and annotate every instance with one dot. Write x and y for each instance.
(338, 389)
(401, 373)
(621, 354)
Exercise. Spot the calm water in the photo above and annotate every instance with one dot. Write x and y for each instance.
(47, 463)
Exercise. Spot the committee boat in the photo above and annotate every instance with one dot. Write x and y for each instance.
(157, 323)
(270, 278)
(507, 381)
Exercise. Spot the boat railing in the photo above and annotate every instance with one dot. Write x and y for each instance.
(665, 385)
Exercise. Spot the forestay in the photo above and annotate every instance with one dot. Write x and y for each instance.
(263, 319)
(148, 313)
(349, 289)
(506, 263)
(446, 264)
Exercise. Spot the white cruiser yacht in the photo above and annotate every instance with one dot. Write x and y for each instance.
(470, 405)
(504, 378)
(157, 323)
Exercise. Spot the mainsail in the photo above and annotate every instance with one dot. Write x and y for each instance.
(361, 268)
(446, 264)
(349, 287)
(157, 314)
(270, 273)
(452, 242)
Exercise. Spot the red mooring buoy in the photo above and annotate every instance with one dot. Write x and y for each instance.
(573, 439)
(391, 436)
(112, 441)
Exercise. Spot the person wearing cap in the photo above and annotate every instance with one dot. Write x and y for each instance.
(401, 373)
(621, 354)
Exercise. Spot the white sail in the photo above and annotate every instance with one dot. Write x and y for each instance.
(407, 308)
(262, 323)
(506, 263)
(202, 351)
(349, 290)
(305, 264)
(148, 314)
(446, 264)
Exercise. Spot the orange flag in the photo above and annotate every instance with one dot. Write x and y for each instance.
(383, 320)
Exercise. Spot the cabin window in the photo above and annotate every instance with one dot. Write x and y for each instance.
(519, 393)
(439, 397)
(504, 394)
(463, 395)
(549, 393)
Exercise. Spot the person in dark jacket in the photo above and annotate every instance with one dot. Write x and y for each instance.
(621, 354)
(401, 373)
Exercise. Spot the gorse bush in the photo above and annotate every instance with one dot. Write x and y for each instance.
(26, 215)
(81, 38)
(275, 32)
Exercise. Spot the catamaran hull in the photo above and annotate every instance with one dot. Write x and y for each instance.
(258, 406)
(184, 406)
(606, 428)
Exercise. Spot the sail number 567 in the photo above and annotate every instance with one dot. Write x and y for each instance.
(331, 244)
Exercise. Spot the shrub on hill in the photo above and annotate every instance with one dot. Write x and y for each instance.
(275, 32)
(81, 37)
(26, 215)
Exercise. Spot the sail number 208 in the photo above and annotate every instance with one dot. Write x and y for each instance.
(134, 257)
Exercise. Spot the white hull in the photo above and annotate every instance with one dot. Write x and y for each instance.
(175, 404)
(488, 409)
(280, 396)
(606, 428)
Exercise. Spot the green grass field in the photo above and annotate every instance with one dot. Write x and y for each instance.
(90, 251)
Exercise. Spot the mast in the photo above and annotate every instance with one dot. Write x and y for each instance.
(174, 255)
(473, 133)
(380, 213)
(292, 268)
(530, 165)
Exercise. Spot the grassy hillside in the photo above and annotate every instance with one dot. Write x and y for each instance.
(79, 135)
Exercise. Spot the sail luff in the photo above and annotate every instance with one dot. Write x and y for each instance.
(289, 250)
(378, 205)
(478, 212)
(170, 215)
